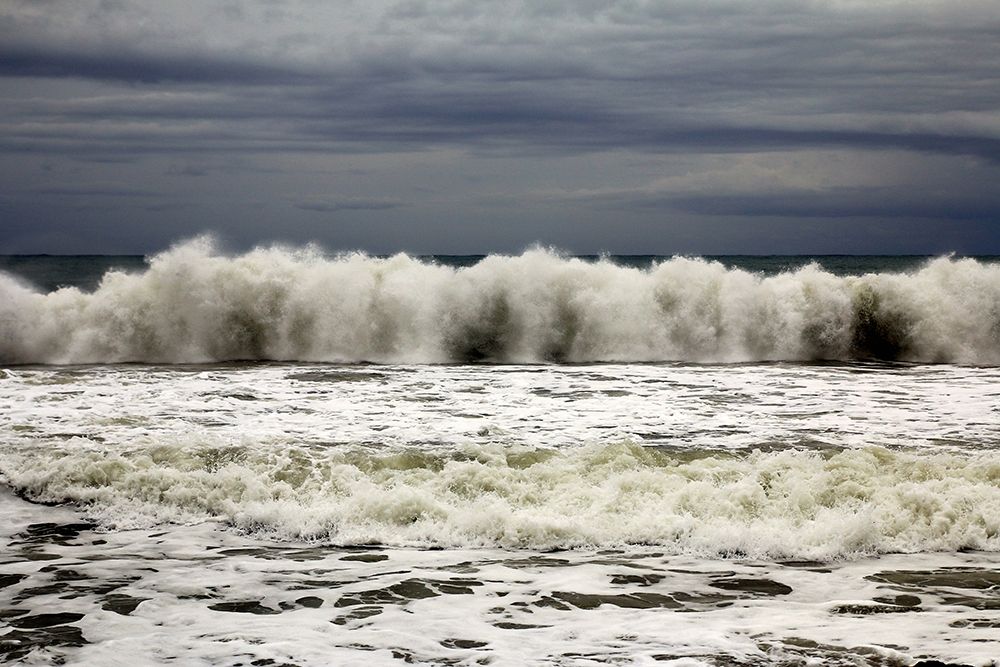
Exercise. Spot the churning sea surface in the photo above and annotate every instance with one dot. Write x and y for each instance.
(289, 457)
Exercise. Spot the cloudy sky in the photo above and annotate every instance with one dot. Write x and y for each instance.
(853, 126)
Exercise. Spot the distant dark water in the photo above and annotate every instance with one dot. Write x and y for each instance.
(50, 272)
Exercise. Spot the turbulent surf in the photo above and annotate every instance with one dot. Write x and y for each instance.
(195, 305)
(764, 505)
(249, 493)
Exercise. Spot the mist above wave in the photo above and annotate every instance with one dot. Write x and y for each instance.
(194, 304)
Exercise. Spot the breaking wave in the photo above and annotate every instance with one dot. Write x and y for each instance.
(800, 504)
(195, 305)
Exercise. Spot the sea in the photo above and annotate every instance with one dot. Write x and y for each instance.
(291, 457)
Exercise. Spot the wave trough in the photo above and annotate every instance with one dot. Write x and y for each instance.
(195, 305)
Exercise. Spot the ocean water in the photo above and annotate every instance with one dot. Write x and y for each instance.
(290, 458)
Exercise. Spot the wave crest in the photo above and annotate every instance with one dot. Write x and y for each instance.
(196, 305)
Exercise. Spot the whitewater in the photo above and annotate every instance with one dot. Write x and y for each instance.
(196, 305)
(291, 457)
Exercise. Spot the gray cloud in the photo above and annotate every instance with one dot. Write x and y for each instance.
(347, 204)
(37, 61)
(296, 88)
(857, 202)
(92, 191)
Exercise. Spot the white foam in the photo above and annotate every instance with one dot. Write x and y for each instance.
(764, 505)
(196, 305)
(854, 460)
(509, 604)
(851, 461)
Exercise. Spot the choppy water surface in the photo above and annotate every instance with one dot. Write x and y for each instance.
(315, 514)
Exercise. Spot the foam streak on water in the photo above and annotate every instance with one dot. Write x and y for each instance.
(194, 305)
(768, 461)
(313, 514)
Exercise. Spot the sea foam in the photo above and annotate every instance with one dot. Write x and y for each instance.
(798, 504)
(194, 305)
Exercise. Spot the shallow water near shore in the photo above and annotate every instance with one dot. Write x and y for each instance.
(204, 595)
(312, 514)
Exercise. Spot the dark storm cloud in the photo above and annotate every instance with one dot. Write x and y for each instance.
(846, 203)
(324, 119)
(658, 77)
(92, 191)
(37, 61)
(249, 85)
(834, 203)
(349, 204)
